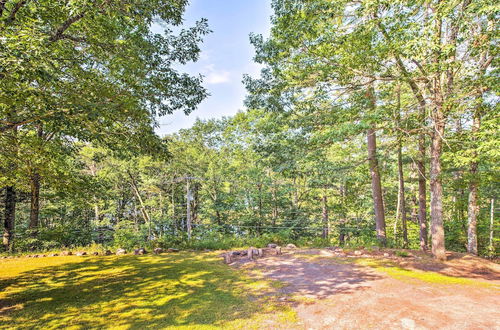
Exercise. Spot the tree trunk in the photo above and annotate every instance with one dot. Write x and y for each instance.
(144, 211)
(378, 201)
(437, 230)
(422, 194)
(35, 203)
(275, 206)
(402, 203)
(378, 204)
(473, 208)
(35, 194)
(9, 217)
(401, 187)
(189, 198)
(492, 222)
(324, 199)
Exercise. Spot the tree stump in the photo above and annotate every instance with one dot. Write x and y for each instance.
(260, 252)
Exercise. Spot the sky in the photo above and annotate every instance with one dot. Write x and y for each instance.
(226, 54)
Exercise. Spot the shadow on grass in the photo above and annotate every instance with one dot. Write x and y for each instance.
(129, 291)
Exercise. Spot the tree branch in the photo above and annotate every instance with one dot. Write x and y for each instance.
(60, 31)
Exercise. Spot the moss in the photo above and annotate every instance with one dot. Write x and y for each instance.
(184, 290)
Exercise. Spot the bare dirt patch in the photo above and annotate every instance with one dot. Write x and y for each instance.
(329, 292)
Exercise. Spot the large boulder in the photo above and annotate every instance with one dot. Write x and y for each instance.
(66, 253)
(291, 246)
(158, 250)
(81, 253)
(272, 245)
(121, 252)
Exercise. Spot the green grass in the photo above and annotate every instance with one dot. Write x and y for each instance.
(394, 270)
(184, 290)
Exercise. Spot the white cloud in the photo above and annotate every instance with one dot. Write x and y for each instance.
(213, 76)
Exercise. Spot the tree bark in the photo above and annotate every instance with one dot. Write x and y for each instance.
(402, 203)
(189, 198)
(492, 222)
(9, 217)
(473, 207)
(437, 230)
(422, 193)
(378, 202)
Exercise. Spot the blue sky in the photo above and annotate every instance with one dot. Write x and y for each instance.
(226, 55)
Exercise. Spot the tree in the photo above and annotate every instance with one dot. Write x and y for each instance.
(93, 71)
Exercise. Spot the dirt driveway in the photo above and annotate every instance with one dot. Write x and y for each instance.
(332, 292)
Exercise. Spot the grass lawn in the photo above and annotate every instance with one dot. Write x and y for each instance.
(185, 290)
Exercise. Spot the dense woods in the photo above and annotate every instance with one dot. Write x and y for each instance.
(372, 122)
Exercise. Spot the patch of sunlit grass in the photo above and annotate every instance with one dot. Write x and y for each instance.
(394, 270)
(185, 290)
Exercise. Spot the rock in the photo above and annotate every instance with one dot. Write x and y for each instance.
(339, 250)
(278, 250)
(66, 253)
(43, 255)
(158, 250)
(291, 246)
(227, 258)
(357, 253)
(260, 252)
(272, 246)
(81, 253)
(108, 252)
(387, 255)
(53, 255)
(375, 248)
(407, 324)
(36, 256)
(95, 253)
(243, 253)
(172, 250)
(121, 252)
(326, 253)
(250, 253)
(235, 253)
(140, 251)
